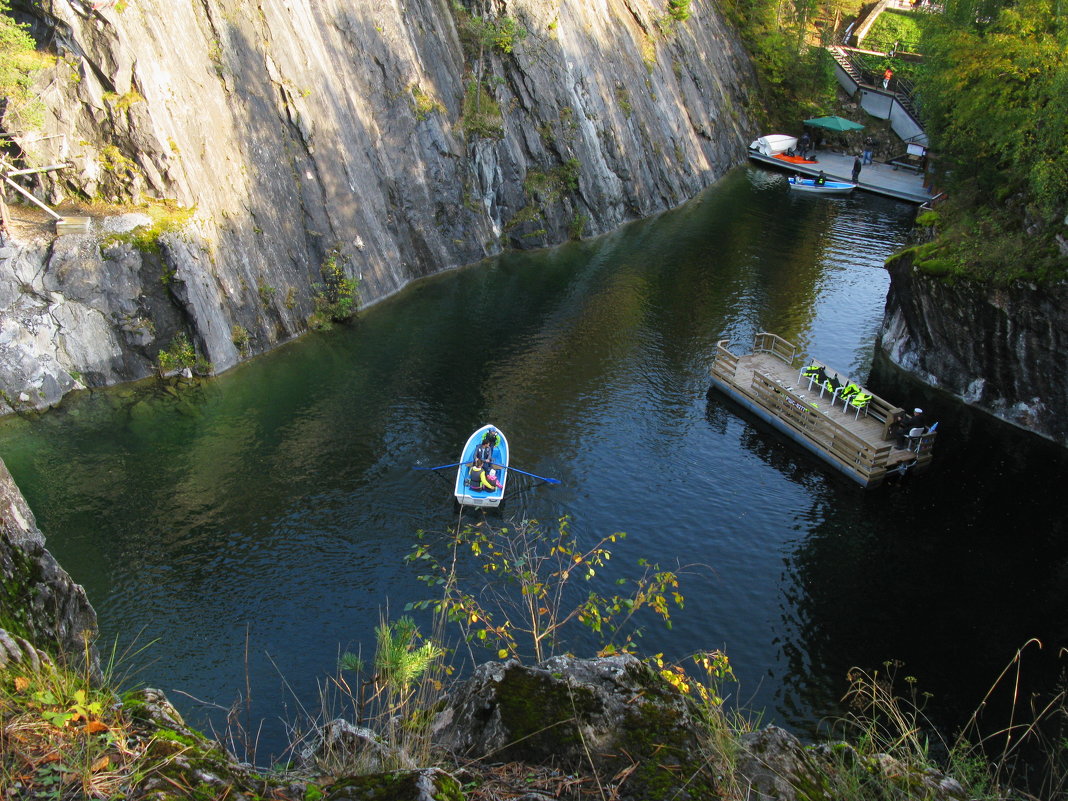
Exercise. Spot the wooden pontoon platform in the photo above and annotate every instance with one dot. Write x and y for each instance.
(854, 438)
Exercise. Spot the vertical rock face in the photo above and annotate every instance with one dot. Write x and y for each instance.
(39, 603)
(308, 135)
(998, 349)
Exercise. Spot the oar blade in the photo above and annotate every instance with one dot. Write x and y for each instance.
(533, 475)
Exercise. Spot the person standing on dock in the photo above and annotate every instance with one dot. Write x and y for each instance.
(869, 148)
(856, 168)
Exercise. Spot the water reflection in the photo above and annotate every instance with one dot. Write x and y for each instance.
(948, 574)
(268, 512)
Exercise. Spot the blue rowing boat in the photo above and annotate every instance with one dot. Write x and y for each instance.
(466, 495)
(826, 188)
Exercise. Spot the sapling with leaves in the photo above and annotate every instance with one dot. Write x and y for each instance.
(540, 581)
(401, 660)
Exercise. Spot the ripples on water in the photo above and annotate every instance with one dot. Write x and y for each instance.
(274, 505)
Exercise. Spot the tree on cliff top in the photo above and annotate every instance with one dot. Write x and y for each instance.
(796, 75)
(19, 60)
(995, 100)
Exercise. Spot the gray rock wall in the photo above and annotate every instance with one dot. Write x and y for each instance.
(998, 349)
(304, 132)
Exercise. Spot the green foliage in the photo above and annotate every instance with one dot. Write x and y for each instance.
(928, 218)
(399, 659)
(888, 728)
(146, 238)
(537, 583)
(549, 186)
(178, 355)
(505, 33)
(241, 338)
(530, 213)
(479, 33)
(336, 298)
(578, 226)
(481, 115)
(995, 99)
(569, 173)
(424, 104)
(395, 700)
(895, 26)
(875, 65)
(181, 354)
(61, 733)
(19, 62)
(266, 293)
(679, 10)
(795, 74)
(113, 160)
(123, 102)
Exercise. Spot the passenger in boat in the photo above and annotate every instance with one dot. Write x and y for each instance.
(476, 477)
(484, 451)
(491, 477)
(821, 179)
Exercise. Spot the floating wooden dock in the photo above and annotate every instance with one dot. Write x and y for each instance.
(855, 439)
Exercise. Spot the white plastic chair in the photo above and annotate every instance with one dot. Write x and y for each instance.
(915, 437)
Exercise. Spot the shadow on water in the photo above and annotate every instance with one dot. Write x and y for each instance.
(942, 577)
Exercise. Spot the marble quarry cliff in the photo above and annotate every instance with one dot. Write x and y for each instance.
(238, 157)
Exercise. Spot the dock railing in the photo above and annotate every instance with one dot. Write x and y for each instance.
(765, 342)
(868, 459)
(726, 363)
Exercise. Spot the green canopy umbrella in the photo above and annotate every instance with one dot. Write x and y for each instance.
(834, 124)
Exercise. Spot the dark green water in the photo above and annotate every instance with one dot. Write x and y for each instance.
(271, 509)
